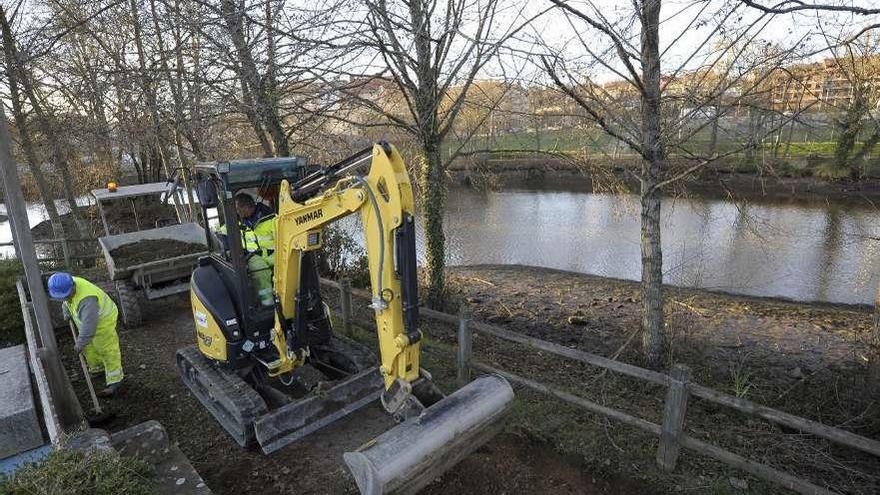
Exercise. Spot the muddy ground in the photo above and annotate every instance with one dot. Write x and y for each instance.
(805, 359)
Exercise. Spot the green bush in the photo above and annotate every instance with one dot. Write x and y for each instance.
(72, 472)
(12, 329)
(342, 256)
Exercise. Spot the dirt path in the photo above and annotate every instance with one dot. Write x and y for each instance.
(509, 464)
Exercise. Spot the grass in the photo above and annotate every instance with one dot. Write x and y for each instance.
(742, 383)
(72, 472)
(578, 139)
(12, 329)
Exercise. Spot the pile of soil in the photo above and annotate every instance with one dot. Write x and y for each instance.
(120, 218)
(150, 214)
(152, 250)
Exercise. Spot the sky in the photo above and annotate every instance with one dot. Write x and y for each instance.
(685, 27)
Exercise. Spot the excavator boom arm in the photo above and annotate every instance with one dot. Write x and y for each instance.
(384, 199)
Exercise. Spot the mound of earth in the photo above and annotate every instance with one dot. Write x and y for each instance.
(152, 250)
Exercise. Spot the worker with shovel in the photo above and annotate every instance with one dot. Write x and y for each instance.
(94, 314)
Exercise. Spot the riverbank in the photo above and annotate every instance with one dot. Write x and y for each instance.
(808, 360)
(723, 181)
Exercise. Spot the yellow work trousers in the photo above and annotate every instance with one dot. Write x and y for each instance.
(102, 353)
(260, 270)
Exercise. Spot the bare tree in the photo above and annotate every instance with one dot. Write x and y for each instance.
(25, 87)
(431, 53)
(22, 125)
(657, 106)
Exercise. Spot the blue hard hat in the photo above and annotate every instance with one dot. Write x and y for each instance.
(60, 285)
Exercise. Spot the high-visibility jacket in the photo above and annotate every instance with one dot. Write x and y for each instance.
(107, 311)
(102, 351)
(260, 237)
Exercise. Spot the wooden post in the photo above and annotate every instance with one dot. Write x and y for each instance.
(69, 410)
(874, 339)
(465, 346)
(673, 418)
(345, 304)
(65, 249)
(103, 216)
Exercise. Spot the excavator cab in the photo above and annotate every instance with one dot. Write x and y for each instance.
(273, 373)
(224, 283)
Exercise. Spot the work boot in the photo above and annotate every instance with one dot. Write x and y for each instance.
(110, 391)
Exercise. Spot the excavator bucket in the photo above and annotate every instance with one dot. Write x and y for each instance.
(407, 457)
(297, 419)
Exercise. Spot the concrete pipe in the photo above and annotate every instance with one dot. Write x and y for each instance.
(407, 457)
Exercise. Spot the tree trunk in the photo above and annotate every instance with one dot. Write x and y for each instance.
(653, 166)
(102, 126)
(149, 90)
(266, 110)
(249, 112)
(713, 139)
(433, 204)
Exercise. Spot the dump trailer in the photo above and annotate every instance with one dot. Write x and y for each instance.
(273, 373)
(150, 244)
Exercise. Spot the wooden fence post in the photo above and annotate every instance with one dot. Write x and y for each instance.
(65, 250)
(673, 418)
(345, 304)
(465, 343)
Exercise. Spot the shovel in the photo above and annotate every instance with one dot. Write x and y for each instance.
(97, 416)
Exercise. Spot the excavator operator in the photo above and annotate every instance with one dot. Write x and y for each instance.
(257, 225)
(256, 221)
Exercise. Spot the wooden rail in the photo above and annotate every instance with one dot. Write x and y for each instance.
(680, 389)
(67, 258)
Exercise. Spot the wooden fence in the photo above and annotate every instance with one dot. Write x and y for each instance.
(680, 389)
(65, 244)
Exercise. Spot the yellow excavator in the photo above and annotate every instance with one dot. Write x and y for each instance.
(273, 373)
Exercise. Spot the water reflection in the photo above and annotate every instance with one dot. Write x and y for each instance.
(802, 251)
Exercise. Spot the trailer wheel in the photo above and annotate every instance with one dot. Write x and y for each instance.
(129, 305)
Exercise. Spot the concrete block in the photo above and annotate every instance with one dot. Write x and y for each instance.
(174, 473)
(147, 441)
(90, 440)
(19, 426)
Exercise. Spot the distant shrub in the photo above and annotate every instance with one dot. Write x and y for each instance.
(829, 170)
(342, 256)
(12, 329)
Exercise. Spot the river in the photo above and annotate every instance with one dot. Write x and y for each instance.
(805, 251)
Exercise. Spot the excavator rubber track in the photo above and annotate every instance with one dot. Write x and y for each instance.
(231, 400)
